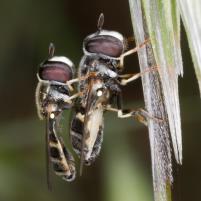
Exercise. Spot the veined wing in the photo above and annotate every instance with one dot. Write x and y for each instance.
(93, 125)
(47, 134)
(86, 117)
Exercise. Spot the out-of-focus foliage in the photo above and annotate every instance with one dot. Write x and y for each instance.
(125, 178)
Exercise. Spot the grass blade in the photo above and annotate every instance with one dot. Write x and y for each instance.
(190, 13)
(163, 25)
(159, 21)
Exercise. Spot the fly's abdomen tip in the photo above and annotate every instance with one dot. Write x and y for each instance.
(70, 177)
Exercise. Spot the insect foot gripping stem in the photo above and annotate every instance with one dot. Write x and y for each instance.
(143, 116)
(132, 51)
(140, 114)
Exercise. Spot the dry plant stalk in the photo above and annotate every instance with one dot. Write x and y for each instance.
(160, 88)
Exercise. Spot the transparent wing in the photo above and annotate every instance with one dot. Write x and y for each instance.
(86, 117)
(49, 127)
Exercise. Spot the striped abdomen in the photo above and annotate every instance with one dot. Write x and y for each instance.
(94, 137)
(62, 160)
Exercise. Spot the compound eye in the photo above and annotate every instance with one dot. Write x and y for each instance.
(107, 45)
(59, 69)
(56, 72)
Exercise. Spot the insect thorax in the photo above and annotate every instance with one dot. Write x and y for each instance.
(51, 98)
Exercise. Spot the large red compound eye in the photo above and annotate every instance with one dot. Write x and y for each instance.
(56, 70)
(106, 45)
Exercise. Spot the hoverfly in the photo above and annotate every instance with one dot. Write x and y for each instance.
(101, 65)
(52, 97)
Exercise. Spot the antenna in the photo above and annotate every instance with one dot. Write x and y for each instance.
(51, 50)
(100, 21)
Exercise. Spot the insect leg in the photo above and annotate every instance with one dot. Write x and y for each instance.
(69, 99)
(136, 76)
(70, 82)
(42, 81)
(140, 114)
(75, 95)
(132, 51)
(128, 113)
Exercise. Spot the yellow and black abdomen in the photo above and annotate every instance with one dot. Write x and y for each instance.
(61, 159)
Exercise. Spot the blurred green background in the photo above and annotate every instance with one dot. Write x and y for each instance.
(123, 170)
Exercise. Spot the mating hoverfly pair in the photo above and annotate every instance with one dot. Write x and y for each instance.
(99, 87)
